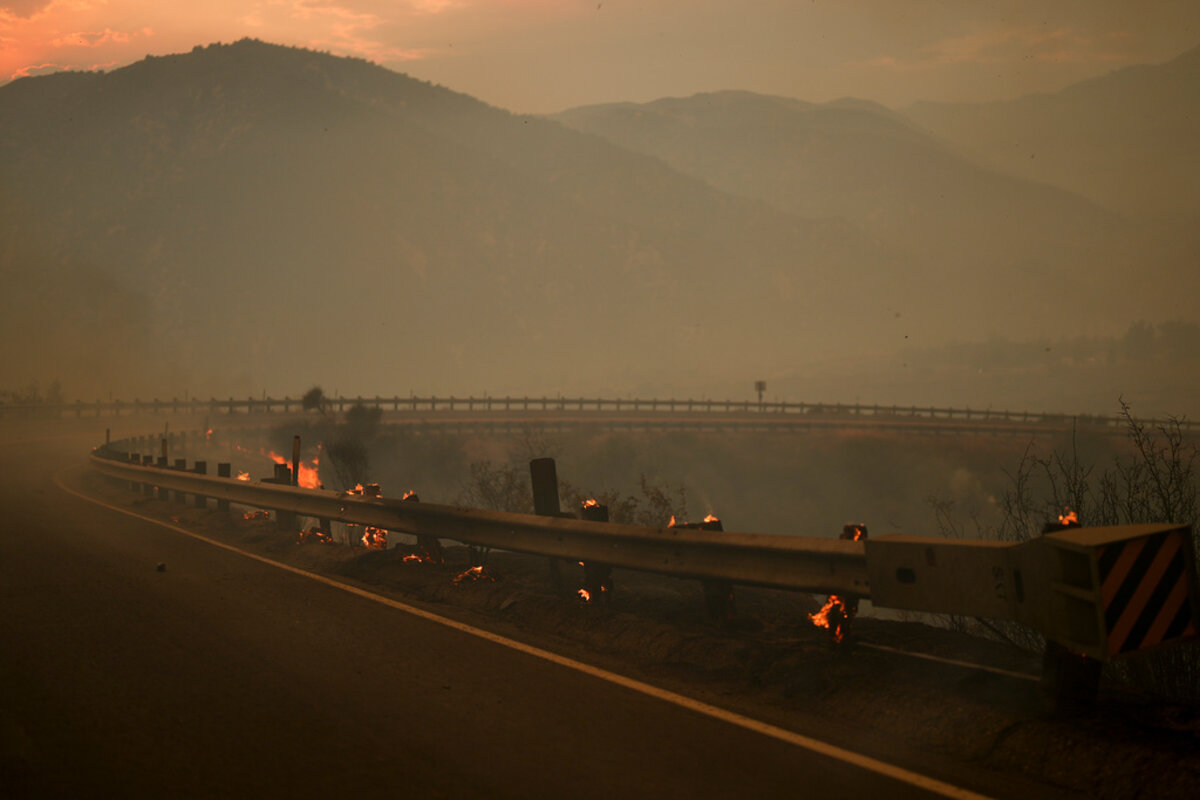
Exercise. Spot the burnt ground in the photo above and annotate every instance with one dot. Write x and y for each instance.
(768, 662)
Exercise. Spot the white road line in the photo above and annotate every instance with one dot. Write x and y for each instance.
(1025, 676)
(857, 759)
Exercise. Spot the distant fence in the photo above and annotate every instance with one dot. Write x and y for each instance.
(653, 412)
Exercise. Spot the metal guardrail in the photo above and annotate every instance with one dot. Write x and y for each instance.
(581, 406)
(778, 562)
(1103, 592)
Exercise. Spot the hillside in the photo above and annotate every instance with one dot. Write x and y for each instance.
(1129, 140)
(250, 217)
(858, 161)
(263, 216)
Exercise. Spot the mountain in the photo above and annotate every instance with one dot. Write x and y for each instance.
(858, 161)
(248, 215)
(1129, 140)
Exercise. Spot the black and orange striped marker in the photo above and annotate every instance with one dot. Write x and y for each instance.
(1145, 589)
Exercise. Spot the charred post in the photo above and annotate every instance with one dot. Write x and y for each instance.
(597, 578)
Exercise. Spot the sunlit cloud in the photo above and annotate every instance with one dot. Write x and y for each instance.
(97, 38)
(39, 69)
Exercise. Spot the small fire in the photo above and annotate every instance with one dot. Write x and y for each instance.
(375, 538)
(835, 608)
(859, 532)
(585, 595)
(314, 534)
(309, 477)
(473, 574)
(1068, 518)
(408, 494)
(671, 524)
(260, 514)
(711, 518)
(208, 434)
(590, 503)
(243, 476)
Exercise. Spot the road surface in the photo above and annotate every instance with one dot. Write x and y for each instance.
(223, 676)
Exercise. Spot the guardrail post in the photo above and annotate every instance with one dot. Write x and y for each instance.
(181, 466)
(718, 595)
(597, 578)
(201, 468)
(224, 470)
(284, 520)
(543, 475)
(148, 488)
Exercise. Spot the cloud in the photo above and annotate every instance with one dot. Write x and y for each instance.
(92, 38)
(347, 30)
(23, 8)
(38, 69)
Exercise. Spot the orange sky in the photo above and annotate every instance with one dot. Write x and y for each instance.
(546, 55)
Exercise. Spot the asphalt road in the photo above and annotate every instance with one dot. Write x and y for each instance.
(223, 676)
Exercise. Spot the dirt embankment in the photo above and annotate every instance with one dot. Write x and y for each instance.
(981, 729)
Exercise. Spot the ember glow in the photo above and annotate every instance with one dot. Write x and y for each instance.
(260, 514)
(243, 476)
(314, 535)
(833, 615)
(1068, 517)
(375, 538)
(711, 518)
(473, 574)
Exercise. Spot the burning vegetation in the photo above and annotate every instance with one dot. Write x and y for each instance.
(839, 612)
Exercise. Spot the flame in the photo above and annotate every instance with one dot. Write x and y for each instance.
(374, 538)
(408, 494)
(317, 535)
(473, 574)
(243, 476)
(671, 524)
(590, 503)
(585, 595)
(309, 477)
(858, 533)
(208, 434)
(1069, 518)
(821, 618)
(711, 518)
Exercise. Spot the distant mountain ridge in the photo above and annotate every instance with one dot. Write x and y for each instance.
(271, 216)
(861, 162)
(250, 216)
(1129, 140)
